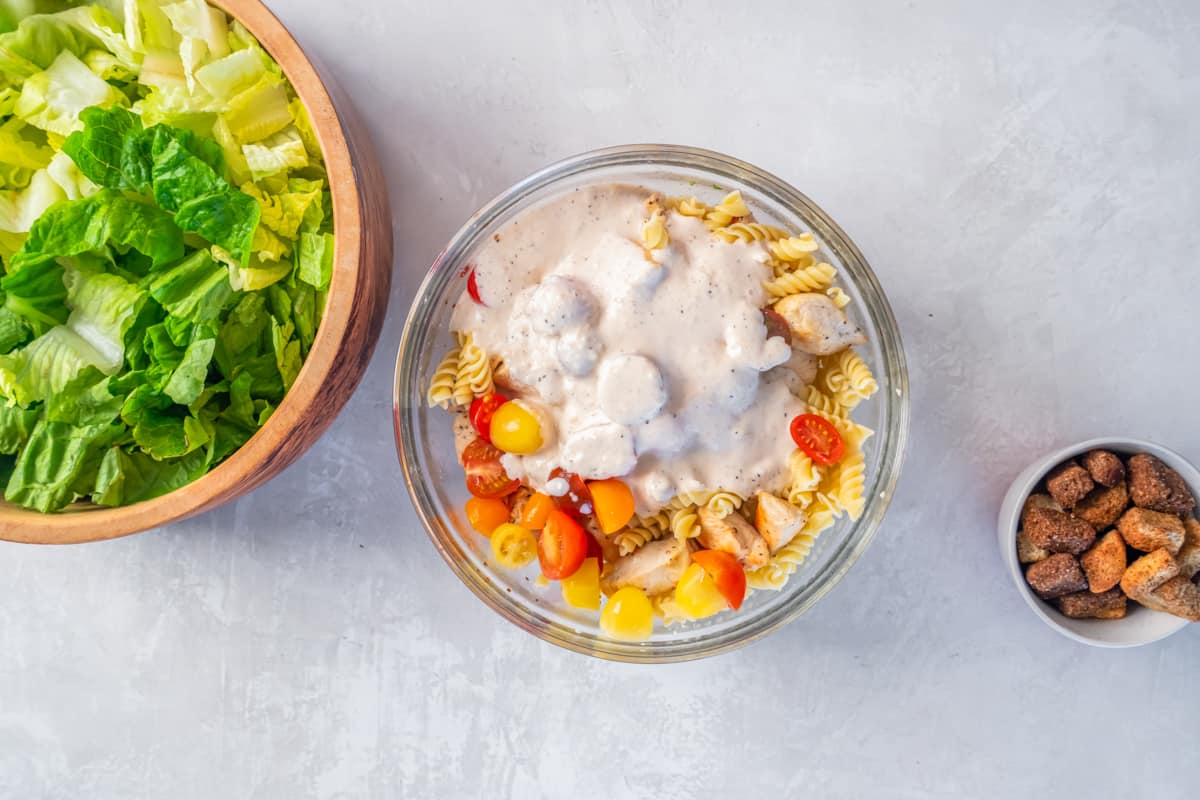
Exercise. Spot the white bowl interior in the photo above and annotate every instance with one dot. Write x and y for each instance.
(1140, 625)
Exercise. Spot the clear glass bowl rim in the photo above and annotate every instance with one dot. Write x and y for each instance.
(892, 439)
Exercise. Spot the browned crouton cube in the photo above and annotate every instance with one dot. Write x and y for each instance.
(1104, 466)
(1154, 485)
(1069, 483)
(1178, 596)
(1027, 551)
(1104, 563)
(1149, 530)
(1037, 501)
(1055, 576)
(1058, 531)
(1102, 508)
(1188, 556)
(1148, 573)
(1086, 605)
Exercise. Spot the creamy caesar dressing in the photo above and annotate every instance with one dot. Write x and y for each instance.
(653, 366)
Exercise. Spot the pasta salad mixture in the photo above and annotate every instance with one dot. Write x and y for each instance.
(653, 399)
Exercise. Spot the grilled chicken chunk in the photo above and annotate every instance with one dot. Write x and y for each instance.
(654, 568)
(818, 326)
(777, 520)
(734, 535)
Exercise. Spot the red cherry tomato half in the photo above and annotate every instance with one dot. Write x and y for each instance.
(818, 439)
(726, 572)
(485, 474)
(562, 546)
(578, 499)
(776, 325)
(473, 288)
(594, 550)
(482, 409)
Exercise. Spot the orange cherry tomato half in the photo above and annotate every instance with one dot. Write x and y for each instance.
(578, 500)
(482, 410)
(486, 514)
(536, 511)
(726, 572)
(819, 440)
(485, 474)
(562, 546)
(613, 503)
(473, 288)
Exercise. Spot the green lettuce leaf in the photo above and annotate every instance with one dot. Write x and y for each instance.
(88, 399)
(16, 424)
(37, 295)
(103, 309)
(46, 366)
(314, 259)
(40, 38)
(109, 149)
(196, 289)
(58, 464)
(159, 429)
(187, 380)
(276, 154)
(52, 100)
(107, 217)
(14, 331)
(19, 209)
(132, 477)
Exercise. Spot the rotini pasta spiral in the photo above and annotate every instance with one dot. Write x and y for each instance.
(811, 279)
(849, 379)
(726, 211)
(793, 248)
(723, 503)
(803, 478)
(823, 405)
(441, 387)
(838, 296)
(685, 523)
(684, 499)
(660, 520)
(667, 609)
(750, 232)
(631, 538)
(822, 514)
(654, 231)
(781, 268)
(691, 207)
(846, 485)
(474, 376)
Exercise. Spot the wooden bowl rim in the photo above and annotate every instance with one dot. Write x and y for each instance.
(84, 522)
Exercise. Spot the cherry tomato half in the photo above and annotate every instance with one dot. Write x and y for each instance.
(726, 572)
(578, 499)
(482, 409)
(776, 325)
(485, 474)
(562, 546)
(819, 440)
(536, 511)
(473, 288)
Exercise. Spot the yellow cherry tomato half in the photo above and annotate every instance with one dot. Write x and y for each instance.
(613, 503)
(513, 546)
(486, 514)
(536, 511)
(582, 589)
(628, 615)
(697, 593)
(515, 429)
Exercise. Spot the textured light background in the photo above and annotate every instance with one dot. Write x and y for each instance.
(1023, 176)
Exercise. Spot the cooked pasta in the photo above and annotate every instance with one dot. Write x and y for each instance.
(685, 523)
(781, 268)
(849, 379)
(691, 207)
(631, 538)
(725, 212)
(660, 520)
(441, 386)
(821, 515)
(810, 279)
(822, 404)
(723, 503)
(667, 609)
(839, 297)
(654, 231)
(793, 248)
(684, 499)
(474, 375)
(750, 232)
(846, 484)
(803, 478)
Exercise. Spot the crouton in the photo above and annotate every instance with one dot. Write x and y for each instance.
(1087, 605)
(1058, 531)
(1148, 573)
(777, 520)
(1188, 557)
(1104, 563)
(1178, 596)
(1028, 552)
(1149, 530)
(818, 326)
(1037, 501)
(1154, 485)
(1102, 508)
(1104, 466)
(1055, 576)
(654, 568)
(1069, 483)
(734, 535)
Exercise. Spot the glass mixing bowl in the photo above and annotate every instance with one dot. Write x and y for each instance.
(435, 479)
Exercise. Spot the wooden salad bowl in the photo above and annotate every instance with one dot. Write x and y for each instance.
(354, 311)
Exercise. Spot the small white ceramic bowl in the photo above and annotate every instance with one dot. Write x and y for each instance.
(1141, 625)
